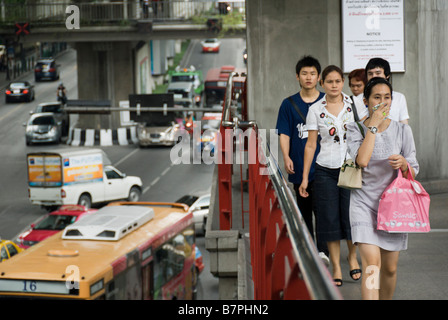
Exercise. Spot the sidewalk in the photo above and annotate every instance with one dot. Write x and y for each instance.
(422, 271)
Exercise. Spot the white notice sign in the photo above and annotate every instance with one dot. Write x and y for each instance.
(373, 28)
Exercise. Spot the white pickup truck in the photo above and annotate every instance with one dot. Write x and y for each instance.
(77, 176)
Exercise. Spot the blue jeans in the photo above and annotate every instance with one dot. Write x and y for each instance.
(333, 204)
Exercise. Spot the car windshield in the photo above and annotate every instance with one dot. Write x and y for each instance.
(51, 108)
(55, 222)
(188, 200)
(211, 41)
(182, 78)
(43, 121)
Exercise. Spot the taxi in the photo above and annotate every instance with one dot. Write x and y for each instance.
(52, 223)
(8, 249)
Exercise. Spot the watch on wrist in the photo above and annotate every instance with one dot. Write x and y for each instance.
(374, 130)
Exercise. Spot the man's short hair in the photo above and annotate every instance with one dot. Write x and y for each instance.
(379, 63)
(308, 61)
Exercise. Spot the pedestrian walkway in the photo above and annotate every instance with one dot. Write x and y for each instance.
(422, 271)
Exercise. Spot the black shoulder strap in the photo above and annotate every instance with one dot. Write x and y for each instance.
(361, 129)
(355, 112)
(297, 109)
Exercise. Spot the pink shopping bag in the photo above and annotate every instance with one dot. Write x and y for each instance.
(404, 206)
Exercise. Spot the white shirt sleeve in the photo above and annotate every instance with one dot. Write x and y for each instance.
(404, 114)
(361, 109)
(312, 120)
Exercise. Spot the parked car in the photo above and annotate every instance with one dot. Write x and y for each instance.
(57, 109)
(199, 206)
(210, 45)
(19, 91)
(46, 69)
(43, 127)
(52, 223)
(8, 249)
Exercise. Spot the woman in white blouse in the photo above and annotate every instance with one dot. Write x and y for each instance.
(329, 118)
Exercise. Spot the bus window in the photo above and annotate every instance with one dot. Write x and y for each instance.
(169, 261)
(3, 254)
(147, 281)
(160, 271)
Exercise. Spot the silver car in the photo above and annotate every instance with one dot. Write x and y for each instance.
(57, 109)
(157, 135)
(43, 127)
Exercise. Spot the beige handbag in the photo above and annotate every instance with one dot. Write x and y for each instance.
(350, 176)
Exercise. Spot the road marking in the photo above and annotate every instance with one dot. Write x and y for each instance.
(6, 210)
(12, 110)
(154, 181)
(151, 185)
(126, 157)
(165, 171)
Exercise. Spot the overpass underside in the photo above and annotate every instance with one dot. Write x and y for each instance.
(141, 31)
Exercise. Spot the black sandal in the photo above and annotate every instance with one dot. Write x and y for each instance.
(337, 282)
(355, 271)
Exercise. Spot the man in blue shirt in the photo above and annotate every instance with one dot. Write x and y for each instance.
(291, 127)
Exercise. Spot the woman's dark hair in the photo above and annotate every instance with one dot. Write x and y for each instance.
(308, 61)
(372, 83)
(329, 70)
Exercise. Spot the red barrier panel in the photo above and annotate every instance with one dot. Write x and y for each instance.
(275, 271)
(275, 267)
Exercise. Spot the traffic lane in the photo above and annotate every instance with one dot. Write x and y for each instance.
(150, 164)
(163, 180)
(231, 53)
(16, 217)
(13, 115)
(16, 212)
(45, 90)
(180, 180)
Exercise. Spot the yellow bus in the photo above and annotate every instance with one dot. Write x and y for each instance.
(126, 250)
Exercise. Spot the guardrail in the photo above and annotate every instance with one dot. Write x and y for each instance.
(94, 12)
(285, 261)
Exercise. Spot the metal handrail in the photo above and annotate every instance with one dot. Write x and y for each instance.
(125, 10)
(314, 272)
(226, 121)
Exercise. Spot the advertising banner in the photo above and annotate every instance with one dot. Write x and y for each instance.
(82, 169)
(373, 28)
(44, 171)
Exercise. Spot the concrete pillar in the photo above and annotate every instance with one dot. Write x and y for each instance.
(280, 32)
(144, 81)
(105, 72)
(159, 57)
